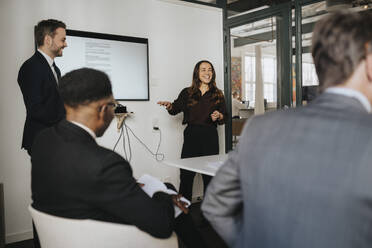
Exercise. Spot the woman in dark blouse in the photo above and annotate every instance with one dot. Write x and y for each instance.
(203, 106)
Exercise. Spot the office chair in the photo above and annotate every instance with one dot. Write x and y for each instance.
(58, 232)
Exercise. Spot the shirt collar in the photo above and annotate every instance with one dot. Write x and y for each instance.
(85, 128)
(351, 93)
(47, 57)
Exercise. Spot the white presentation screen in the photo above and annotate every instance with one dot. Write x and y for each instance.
(123, 58)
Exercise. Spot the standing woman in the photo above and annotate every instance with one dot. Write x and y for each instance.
(203, 106)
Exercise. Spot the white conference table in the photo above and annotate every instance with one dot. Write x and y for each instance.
(207, 165)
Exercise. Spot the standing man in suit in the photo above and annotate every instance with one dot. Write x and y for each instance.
(38, 80)
(74, 177)
(302, 177)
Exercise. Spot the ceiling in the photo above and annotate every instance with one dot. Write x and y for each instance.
(239, 6)
(263, 31)
(244, 5)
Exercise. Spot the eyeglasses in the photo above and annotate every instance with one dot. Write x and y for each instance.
(112, 104)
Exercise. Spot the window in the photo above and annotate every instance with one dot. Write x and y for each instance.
(309, 76)
(269, 74)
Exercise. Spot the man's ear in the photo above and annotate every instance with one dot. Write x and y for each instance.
(47, 40)
(102, 111)
(369, 67)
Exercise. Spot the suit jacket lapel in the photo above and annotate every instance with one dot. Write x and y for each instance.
(50, 72)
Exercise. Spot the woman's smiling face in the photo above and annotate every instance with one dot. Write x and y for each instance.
(205, 73)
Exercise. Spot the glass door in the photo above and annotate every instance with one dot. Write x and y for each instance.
(258, 64)
(307, 13)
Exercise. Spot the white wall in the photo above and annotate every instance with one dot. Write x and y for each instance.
(179, 35)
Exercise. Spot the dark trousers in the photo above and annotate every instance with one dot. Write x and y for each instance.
(198, 141)
(36, 237)
(186, 229)
(187, 232)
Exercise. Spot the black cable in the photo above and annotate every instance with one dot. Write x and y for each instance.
(129, 147)
(121, 133)
(158, 156)
(157, 150)
(125, 151)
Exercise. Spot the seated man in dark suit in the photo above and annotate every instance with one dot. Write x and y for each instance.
(74, 177)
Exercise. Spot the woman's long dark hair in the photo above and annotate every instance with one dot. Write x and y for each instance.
(194, 92)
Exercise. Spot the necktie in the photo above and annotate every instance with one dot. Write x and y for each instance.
(58, 72)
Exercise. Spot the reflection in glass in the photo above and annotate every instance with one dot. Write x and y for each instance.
(310, 15)
(309, 76)
(253, 70)
(269, 78)
(246, 41)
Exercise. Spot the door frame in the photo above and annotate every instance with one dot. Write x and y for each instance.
(283, 14)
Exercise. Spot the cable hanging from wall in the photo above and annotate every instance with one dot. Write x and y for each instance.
(124, 135)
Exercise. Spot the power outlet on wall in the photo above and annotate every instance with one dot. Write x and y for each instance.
(155, 124)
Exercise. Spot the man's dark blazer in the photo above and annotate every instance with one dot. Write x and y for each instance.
(43, 103)
(74, 177)
(300, 177)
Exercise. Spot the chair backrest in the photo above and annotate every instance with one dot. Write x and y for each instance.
(58, 232)
(237, 126)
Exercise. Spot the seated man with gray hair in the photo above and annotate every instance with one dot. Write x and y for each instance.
(303, 177)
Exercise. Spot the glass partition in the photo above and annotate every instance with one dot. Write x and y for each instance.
(259, 66)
